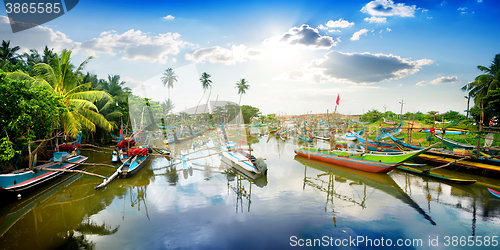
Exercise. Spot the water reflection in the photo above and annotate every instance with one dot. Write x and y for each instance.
(354, 177)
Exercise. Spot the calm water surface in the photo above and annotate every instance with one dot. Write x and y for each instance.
(213, 207)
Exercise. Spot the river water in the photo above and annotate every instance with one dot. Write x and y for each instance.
(300, 202)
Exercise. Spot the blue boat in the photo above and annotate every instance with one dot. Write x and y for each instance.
(25, 179)
(132, 166)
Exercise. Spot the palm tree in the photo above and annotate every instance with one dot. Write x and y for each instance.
(62, 78)
(8, 54)
(167, 106)
(242, 86)
(484, 83)
(205, 83)
(168, 79)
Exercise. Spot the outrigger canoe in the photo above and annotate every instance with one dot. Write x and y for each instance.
(375, 162)
(494, 192)
(26, 179)
(438, 176)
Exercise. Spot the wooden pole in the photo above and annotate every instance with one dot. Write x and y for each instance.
(70, 171)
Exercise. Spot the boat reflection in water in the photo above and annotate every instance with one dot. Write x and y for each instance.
(352, 177)
(241, 185)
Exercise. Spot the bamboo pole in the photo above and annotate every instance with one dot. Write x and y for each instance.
(87, 164)
(447, 164)
(69, 171)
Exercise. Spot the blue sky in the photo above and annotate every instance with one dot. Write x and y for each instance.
(296, 55)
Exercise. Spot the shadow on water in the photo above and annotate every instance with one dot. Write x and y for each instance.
(57, 216)
(381, 182)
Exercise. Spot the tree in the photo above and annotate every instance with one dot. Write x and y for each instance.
(242, 86)
(205, 83)
(168, 79)
(167, 106)
(249, 112)
(7, 53)
(371, 116)
(64, 80)
(28, 112)
(486, 82)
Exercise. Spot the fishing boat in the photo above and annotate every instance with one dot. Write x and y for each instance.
(138, 159)
(437, 176)
(375, 162)
(243, 162)
(377, 145)
(494, 192)
(350, 136)
(135, 163)
(25, 179)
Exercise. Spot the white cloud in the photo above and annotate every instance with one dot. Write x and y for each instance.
(341, 23)
(322, 27)
(135, 45)
(356, 68)
(439, 80)
(222, 55)
(169, 17)
(334, 31)
(357, 34)
(36, 38)
(388, 8)
(306, 37)
(388, 29)
(375, 19)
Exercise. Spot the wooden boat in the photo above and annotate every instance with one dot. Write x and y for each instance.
(241, 161)
(22, 180)
(132, 166)
(453, 144)
(377, 145)
(350, 136)
(413, 165)
(390, 132)
(494, 192)
(437, 176)
(375, 162)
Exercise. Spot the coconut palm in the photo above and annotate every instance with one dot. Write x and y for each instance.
(484, 83)
(62, 78)
(168, 79)
(7, 53)
(205, 83)
(242, 86)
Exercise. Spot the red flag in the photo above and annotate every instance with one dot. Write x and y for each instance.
(338, 99)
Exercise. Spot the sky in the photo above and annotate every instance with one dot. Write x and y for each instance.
(297, 56)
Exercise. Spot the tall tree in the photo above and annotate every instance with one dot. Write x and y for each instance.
(168, 79)
(486, 82)
(205, 83)
(242, 86)
(64, 80)
(7, 53)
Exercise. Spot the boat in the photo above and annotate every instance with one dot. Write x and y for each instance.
(350, 136)
(494, 192)
(385, 133)
(414, 165)
(134, 164)
(375, 162)
(453, 144)
(138, 159)
(243, 162)
(377, 145)
(22, 180)
(114, 156)
(437, 176)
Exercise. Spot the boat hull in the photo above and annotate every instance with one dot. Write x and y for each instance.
(26, 180)
(133, 166)
(350, 162)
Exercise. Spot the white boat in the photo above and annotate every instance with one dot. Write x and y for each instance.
(245, 163)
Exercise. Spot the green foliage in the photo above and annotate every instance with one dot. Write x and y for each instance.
(7, 149)
(371, 116)
(249, 113)
(28, 112)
